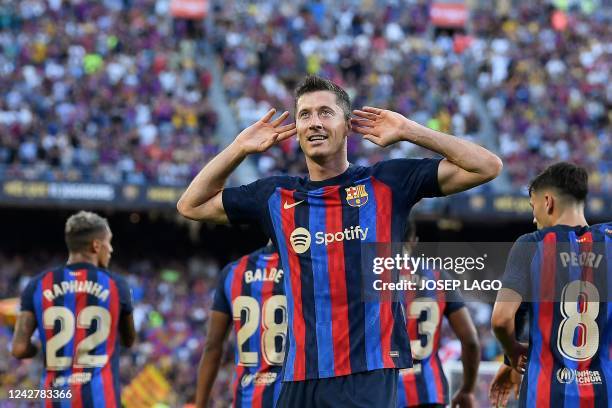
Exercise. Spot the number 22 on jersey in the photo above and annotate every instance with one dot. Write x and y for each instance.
(68, 328)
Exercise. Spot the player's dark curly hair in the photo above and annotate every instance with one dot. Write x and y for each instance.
(82, 228)
(567, 178)
(313, 83)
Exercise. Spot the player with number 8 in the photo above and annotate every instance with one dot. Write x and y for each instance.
(567, 362)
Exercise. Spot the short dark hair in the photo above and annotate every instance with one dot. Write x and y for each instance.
(82, 228)
(313, 83)
(567, 178)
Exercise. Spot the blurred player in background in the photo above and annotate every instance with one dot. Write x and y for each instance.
(320, 223)
(425, 385)
(251, 294)
(82, 312)
(562, 272)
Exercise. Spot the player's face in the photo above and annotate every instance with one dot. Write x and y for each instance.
(539, 205)
(320, 123)
(105, 249)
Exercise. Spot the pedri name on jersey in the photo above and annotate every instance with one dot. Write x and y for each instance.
(588, 259)
(64, 287)
(263, 275)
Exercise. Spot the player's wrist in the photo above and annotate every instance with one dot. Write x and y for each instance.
(409, 131)
(466, 389)
(238, 148)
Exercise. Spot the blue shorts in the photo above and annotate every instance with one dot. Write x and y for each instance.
(376, 388)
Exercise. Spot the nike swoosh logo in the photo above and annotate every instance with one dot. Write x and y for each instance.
(287, 206)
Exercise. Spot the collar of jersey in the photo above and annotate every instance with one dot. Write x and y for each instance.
(578, 229)
(80, 265)
(336, 180)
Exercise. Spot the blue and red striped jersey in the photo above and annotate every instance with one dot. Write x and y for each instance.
(321, 230)
(425, 383)
(77, 309)
(251, 291)
(565, 277)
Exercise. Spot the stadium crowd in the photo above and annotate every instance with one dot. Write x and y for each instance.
(112, 91)
(545, 78)
(172, 300)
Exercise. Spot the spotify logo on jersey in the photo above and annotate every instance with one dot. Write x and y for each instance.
(300, 240)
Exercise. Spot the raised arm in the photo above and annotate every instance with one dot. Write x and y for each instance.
(466, 164)
(202, 199)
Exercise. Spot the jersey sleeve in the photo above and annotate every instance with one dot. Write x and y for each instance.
(125, 295)
(220, 302)
(454, 299)
(518, 266)
(27, 296)
(412, 179)
(247, 203)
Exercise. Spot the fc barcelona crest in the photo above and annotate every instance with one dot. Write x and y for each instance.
(356, 196)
